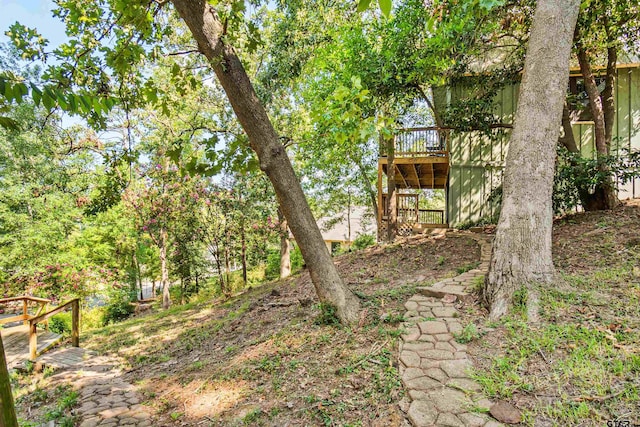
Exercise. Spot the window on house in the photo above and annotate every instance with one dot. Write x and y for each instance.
(579, 100)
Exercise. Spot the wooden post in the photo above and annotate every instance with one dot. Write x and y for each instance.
(392, 206)
(7, 409)
(381, 206)
(75, 323)
(33, 341)
(25, 313)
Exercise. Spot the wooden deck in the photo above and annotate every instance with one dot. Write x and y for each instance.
(16, 343)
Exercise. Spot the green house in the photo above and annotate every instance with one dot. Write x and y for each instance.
(468, 166)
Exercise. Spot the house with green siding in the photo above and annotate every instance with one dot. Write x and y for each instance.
(468, 166)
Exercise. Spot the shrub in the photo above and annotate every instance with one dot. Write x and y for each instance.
(92, 318)
(118, 308)
(60, 324)
(364, 241)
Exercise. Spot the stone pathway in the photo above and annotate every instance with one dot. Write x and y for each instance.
(434, 367)
(105, 399)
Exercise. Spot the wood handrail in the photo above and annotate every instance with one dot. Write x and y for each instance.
(75, 325)
(24, 297)
(52, 312)
(25, 306)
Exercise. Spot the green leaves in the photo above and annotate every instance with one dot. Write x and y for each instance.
(385, 6)
(363, 5)
(14, 89)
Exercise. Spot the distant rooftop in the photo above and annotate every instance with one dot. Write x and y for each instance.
(338, 229)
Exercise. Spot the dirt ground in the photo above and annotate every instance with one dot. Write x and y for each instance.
(273, 357)
(270, 357)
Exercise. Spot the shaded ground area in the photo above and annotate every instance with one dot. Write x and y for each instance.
(272, 357)
(581, 364)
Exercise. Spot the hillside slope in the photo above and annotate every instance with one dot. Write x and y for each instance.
(273, 357)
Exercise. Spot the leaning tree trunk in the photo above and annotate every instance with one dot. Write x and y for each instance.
(603, 196)
(522, 246)
(209, 33)
(7, 409)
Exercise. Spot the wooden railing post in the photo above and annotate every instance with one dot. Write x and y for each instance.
(33, 341)
(25, 312)
(75, 323)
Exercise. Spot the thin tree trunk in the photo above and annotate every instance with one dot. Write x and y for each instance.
(243, 250)
(522, 246)
(227, 265)
(218, 257)
(285, 247)
(349, 217)
(7, 408)
(209, 33)
(373, 197)
(138, 274)
(164, 270)
(603, 195)
(392, 200)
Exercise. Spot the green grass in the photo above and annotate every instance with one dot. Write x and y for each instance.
(467, 267)
(468, 334)
(585, 349)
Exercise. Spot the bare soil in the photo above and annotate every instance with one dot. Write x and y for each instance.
(270, 356)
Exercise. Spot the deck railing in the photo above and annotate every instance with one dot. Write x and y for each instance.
(430, 216)
(25, 316)
(421, 216)
(75, 325)
(415, 142)
(42, 316)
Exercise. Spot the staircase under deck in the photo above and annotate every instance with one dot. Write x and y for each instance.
(420, 161)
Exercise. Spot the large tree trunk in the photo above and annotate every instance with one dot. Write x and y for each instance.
(7, 409)
(209, 33)
(522, 246)
(164, 270)
(285, 246)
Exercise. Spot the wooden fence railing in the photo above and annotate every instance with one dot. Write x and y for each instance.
(42, 315)
(42, 302)
(75, 325)
(421, 216)
(430, 216)
(424, 141)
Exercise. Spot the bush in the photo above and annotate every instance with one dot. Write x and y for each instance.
(92, 318)
(61, 324)
(272, 271)
(119, 307)
(364, 241)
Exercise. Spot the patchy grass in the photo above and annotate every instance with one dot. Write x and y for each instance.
(39, 401)
(274, 356)
(581, 364)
